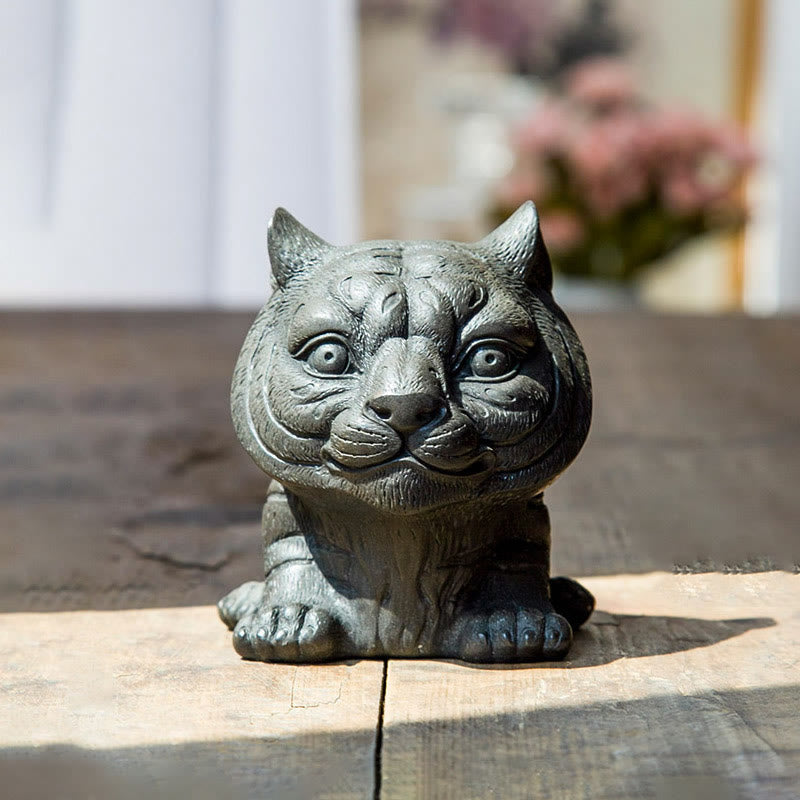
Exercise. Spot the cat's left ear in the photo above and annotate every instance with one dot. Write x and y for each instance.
(293, 248)
(517, 247)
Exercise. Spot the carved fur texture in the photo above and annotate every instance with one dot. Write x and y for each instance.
(411, 401)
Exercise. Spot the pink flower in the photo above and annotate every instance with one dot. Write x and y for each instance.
(605, 146)
(562, 230)
(696, 163)
(678, 136)
(598, 152)
(682, 195)
(603, 197)
(632, 185)
(545, 131)
(608, 166)
(601, 82)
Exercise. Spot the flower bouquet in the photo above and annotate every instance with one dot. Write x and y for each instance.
(620, 183)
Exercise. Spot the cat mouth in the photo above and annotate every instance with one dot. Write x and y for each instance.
(478, 467)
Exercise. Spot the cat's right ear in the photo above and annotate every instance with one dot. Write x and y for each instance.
(292, 247)
(517, 247)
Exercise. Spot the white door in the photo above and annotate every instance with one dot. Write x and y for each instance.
(145, 144)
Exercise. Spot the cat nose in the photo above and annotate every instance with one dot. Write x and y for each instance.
(406, 413)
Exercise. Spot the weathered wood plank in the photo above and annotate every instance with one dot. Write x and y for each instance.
(121, 480)
(157, 699)
(694, 449)
(680, 686)
(122, 484)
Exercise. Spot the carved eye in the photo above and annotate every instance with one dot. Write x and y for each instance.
(329, 357)
(490, 361)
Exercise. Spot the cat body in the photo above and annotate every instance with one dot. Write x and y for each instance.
(411, 401)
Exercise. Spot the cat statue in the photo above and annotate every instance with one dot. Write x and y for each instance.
(411, 401)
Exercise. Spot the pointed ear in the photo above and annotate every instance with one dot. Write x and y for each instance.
(292, 247)
(517, 246)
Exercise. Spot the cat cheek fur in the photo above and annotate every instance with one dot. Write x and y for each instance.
(303, 404)
(505, 412)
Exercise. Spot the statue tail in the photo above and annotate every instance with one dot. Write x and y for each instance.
(571, 600)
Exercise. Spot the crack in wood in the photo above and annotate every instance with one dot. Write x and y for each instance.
(378, 764)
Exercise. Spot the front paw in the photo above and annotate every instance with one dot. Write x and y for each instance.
(240, 602)
(292, 633)
(513, 636)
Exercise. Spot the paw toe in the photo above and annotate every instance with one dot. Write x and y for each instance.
(475, 644)
(318, 636)
(503, 635)
(315, 623)
(242, 641)
(557, 637)
(262, 633)
(531, 626)
(288, 624)
(289, 620)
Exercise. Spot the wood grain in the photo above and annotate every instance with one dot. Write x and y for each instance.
(132, 698)
(694, 450)
(680, 686)
(121, 481)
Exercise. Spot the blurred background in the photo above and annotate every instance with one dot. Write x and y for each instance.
(144, 145)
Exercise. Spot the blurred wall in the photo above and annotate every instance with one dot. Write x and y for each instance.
(685, 55)
(772, 280)
(145, 144)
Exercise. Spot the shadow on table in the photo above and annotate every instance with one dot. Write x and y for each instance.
(715, 745)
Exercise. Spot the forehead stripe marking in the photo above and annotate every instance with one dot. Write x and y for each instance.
(392, 255)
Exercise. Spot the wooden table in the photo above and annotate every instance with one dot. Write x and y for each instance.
(127, 508)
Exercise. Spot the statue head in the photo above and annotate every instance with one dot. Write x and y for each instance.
(412, 375)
